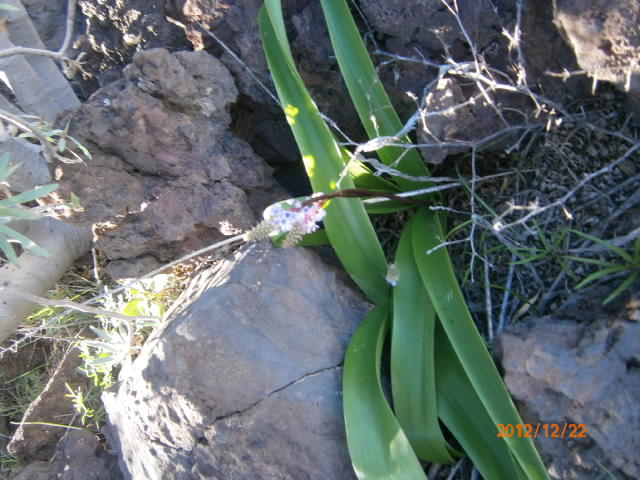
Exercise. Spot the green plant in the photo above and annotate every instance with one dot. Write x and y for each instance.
(12, 208)
(553, 247)
(8, 464)
(19, 392)
(440, 368)
(630, 263)
(59, 137)
(87, 405)
(118, 340)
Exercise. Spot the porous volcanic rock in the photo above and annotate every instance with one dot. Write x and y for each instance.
(235, 25)
(244, 378)
(446, 121)
(605, 36)
(115, 30)
(167, 176)
(562, 371)
(406, 20)
(79, 456)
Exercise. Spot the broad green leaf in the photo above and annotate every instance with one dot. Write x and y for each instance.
(413, 379)
(367, 93)
(462, 412)
(347, 224)
(29, 195)
(378, 447)
(388, 206)
(440, 282)
(363, 177)
(315, 239)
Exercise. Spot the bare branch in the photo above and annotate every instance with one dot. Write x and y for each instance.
(25, 126)
(59, 55)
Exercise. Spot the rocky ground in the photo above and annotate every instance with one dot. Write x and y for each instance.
(189, 147)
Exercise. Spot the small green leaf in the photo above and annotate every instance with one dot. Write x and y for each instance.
(11, 213)
(74, 201)
(62, 144)
(29, 195)
(104, 346)
(617, 250)
(5, 169)
(8, 251)
(84, 150)
(593, 261)
(601, 273)
(26, 243)
(135, 307)
(621, 288)
(6, 6)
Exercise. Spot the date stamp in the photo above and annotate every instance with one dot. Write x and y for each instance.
(548, 430)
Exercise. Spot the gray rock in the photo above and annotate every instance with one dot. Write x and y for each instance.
(566, 372)
(168, 176)
(79, 456)
(113, 31)
(235, 25)
(431, 24)
(442, 123)
(606, 40)
(243, 380)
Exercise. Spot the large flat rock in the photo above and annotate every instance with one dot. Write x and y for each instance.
(244, 379)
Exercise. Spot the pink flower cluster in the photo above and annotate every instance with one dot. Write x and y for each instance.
(292, 216)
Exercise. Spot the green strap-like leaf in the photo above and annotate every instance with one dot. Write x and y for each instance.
(439, 280)
(363, 177)
(413, 379)
(367, 93)
(315, 239)
(462, 412)
(347, 224)
(378, 447)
